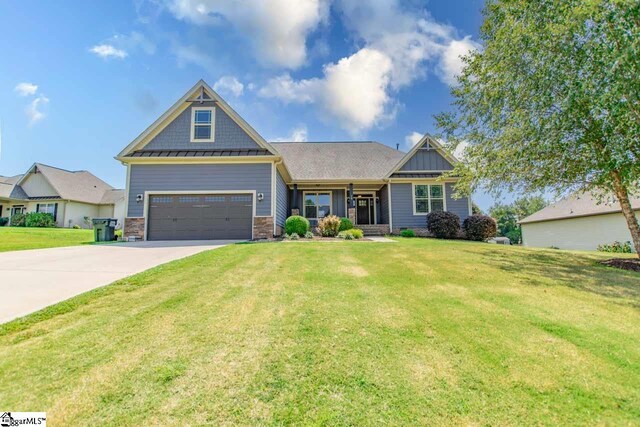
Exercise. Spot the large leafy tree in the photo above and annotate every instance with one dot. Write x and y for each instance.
(552, 101)
(508, 215)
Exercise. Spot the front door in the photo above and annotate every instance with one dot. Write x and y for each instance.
(364, 211)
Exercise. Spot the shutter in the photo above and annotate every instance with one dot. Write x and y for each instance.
(37, 207)
(55, 212)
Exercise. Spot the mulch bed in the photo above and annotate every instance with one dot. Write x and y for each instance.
(632, 264)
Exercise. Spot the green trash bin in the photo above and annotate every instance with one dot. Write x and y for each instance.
(104, 229)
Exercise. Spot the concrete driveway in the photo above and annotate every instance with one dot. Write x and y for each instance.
(34, 279)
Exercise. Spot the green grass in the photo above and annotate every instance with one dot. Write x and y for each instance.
(20, 238)
(417, 332)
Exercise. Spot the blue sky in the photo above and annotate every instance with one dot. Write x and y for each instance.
(80, 80)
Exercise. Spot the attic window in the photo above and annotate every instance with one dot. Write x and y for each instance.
(203, 124)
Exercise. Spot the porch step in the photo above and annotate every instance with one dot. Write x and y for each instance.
(373, 229)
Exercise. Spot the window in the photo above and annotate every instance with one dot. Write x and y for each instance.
(49, 208)
(427, 198)
(317, 205)
(202, 124)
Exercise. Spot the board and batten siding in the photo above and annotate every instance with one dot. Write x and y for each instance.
(282, 200)
(402, 206)
(200, 177)
(427, 160)
(383, 195)
(177, 134)
(581, 233)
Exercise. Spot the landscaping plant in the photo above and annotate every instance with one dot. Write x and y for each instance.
(308, 235)
(329, 226)
(3, 221)
(551, 102)
(408, 233)
(617, 247)
(17, 220)
(39, 219)
(345, 224)
(296, 224)
(479, 227)
(443, 225)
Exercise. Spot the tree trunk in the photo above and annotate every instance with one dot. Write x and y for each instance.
(632, 222)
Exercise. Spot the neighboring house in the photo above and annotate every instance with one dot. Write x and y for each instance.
(201, 172)
(70, 196)
(577, 222)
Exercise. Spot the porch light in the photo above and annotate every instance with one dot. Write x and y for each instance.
(260, 197)
(139, 198)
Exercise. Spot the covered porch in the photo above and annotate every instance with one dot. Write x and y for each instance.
(365, 204)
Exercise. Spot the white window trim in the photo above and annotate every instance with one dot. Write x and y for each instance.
(193, 123)
(413, 197)
(41, 205)
(304, 208)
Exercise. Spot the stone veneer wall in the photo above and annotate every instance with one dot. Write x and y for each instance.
(420, 231)
(134, 227)
(263, 227)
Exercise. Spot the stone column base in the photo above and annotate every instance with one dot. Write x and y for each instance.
(262, 227)
(133, 227)
(351, 214)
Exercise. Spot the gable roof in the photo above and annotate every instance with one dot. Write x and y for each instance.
(79, 186)
(425, 139)
(578, 205)
(9, 188)
(365, 160)
(207, 93)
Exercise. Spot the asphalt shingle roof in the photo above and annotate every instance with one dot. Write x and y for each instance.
(365, 160)
(577, 205)
(80, 186)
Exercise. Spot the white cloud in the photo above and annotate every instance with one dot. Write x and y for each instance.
(451, 63)
(34, 109)
(108, 51)
(460, 151)
(412, 139)
(353, 90)
(189, 54)
(277, 28)
(399, 47)
(298, 134)
(26, 89)
(229, 84)
(133, 42)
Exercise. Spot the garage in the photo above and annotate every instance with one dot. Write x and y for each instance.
(200, 216)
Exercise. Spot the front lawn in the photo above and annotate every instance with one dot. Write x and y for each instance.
(19, 238)
(419, 332)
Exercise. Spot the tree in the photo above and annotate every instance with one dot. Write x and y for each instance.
(552, 101)
(508, 215)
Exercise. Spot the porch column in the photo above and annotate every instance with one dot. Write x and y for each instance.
(351, 212)
(295, 210)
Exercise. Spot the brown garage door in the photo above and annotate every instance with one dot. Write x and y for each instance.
(200, 216)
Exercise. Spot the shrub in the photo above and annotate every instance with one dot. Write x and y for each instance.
(329, 226)
(408, 233)
(479, 227)
(617, 247)
(296, 224)
(292, 236)
(76, 227)
(308, 235)
(345, 224)
(39, 219)
(443, 225)
(17, 220)
(354, 233)
(4, 221)
(357, 233)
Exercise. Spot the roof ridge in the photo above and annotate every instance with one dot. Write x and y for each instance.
(55, 167)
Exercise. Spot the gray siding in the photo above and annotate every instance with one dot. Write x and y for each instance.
(402, 206)
(177, 134)
(282, 200)
(383, 194)
(205, 177)
(427, 160)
